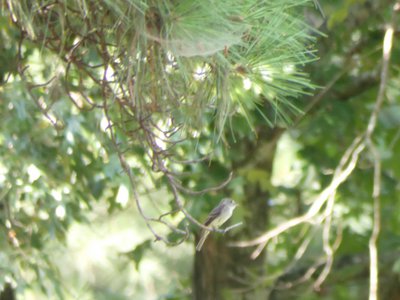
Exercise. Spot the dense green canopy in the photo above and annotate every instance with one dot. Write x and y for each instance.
(123, 123)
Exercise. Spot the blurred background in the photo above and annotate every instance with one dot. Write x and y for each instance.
(123, 123)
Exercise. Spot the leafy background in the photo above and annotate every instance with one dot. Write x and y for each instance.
(223, 89)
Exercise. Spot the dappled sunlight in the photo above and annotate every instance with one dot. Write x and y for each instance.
(94, 253)
(125, 123)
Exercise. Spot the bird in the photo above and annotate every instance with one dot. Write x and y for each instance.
(218, 216)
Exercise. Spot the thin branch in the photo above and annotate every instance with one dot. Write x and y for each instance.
(128, 171)
(372, 245)
(190, 161)
(206, 190)
(232, 227)
(307, 276)
(179, 203)
(343, 171)
(326, 242)
(329, 248)
(21, 71)
(387, 49)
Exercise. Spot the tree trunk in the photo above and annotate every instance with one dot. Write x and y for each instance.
(7, 293)
(222, 272)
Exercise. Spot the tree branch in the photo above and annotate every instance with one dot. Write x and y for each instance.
(387, 50)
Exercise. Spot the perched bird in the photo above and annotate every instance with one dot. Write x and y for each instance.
(218, 216)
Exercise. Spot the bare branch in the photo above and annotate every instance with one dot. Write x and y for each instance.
(179, 203)
(207, 190)
(387, 49)
(232, 227)
(343, 171)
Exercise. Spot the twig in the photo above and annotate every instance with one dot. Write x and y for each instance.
(372, 244)
(206, 190)
(326, 242)
(179, 203)
(232, 226)
(343, 171)
(387, 49)
(307, 275)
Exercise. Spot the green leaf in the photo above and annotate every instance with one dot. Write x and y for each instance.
(136, 254)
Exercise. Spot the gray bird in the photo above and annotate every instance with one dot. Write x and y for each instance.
(218, 216)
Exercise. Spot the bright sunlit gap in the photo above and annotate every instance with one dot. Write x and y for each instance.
(122, 195)
(33, 173)
(246, 83)
(201, 72)
(266, 73)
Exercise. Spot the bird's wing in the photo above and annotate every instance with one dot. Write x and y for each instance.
(213, 215)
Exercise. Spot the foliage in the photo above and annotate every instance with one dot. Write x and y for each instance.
(159, 101)
(350, 70)
(151, 84)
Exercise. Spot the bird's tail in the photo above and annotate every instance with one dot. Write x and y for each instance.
(204, 235)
